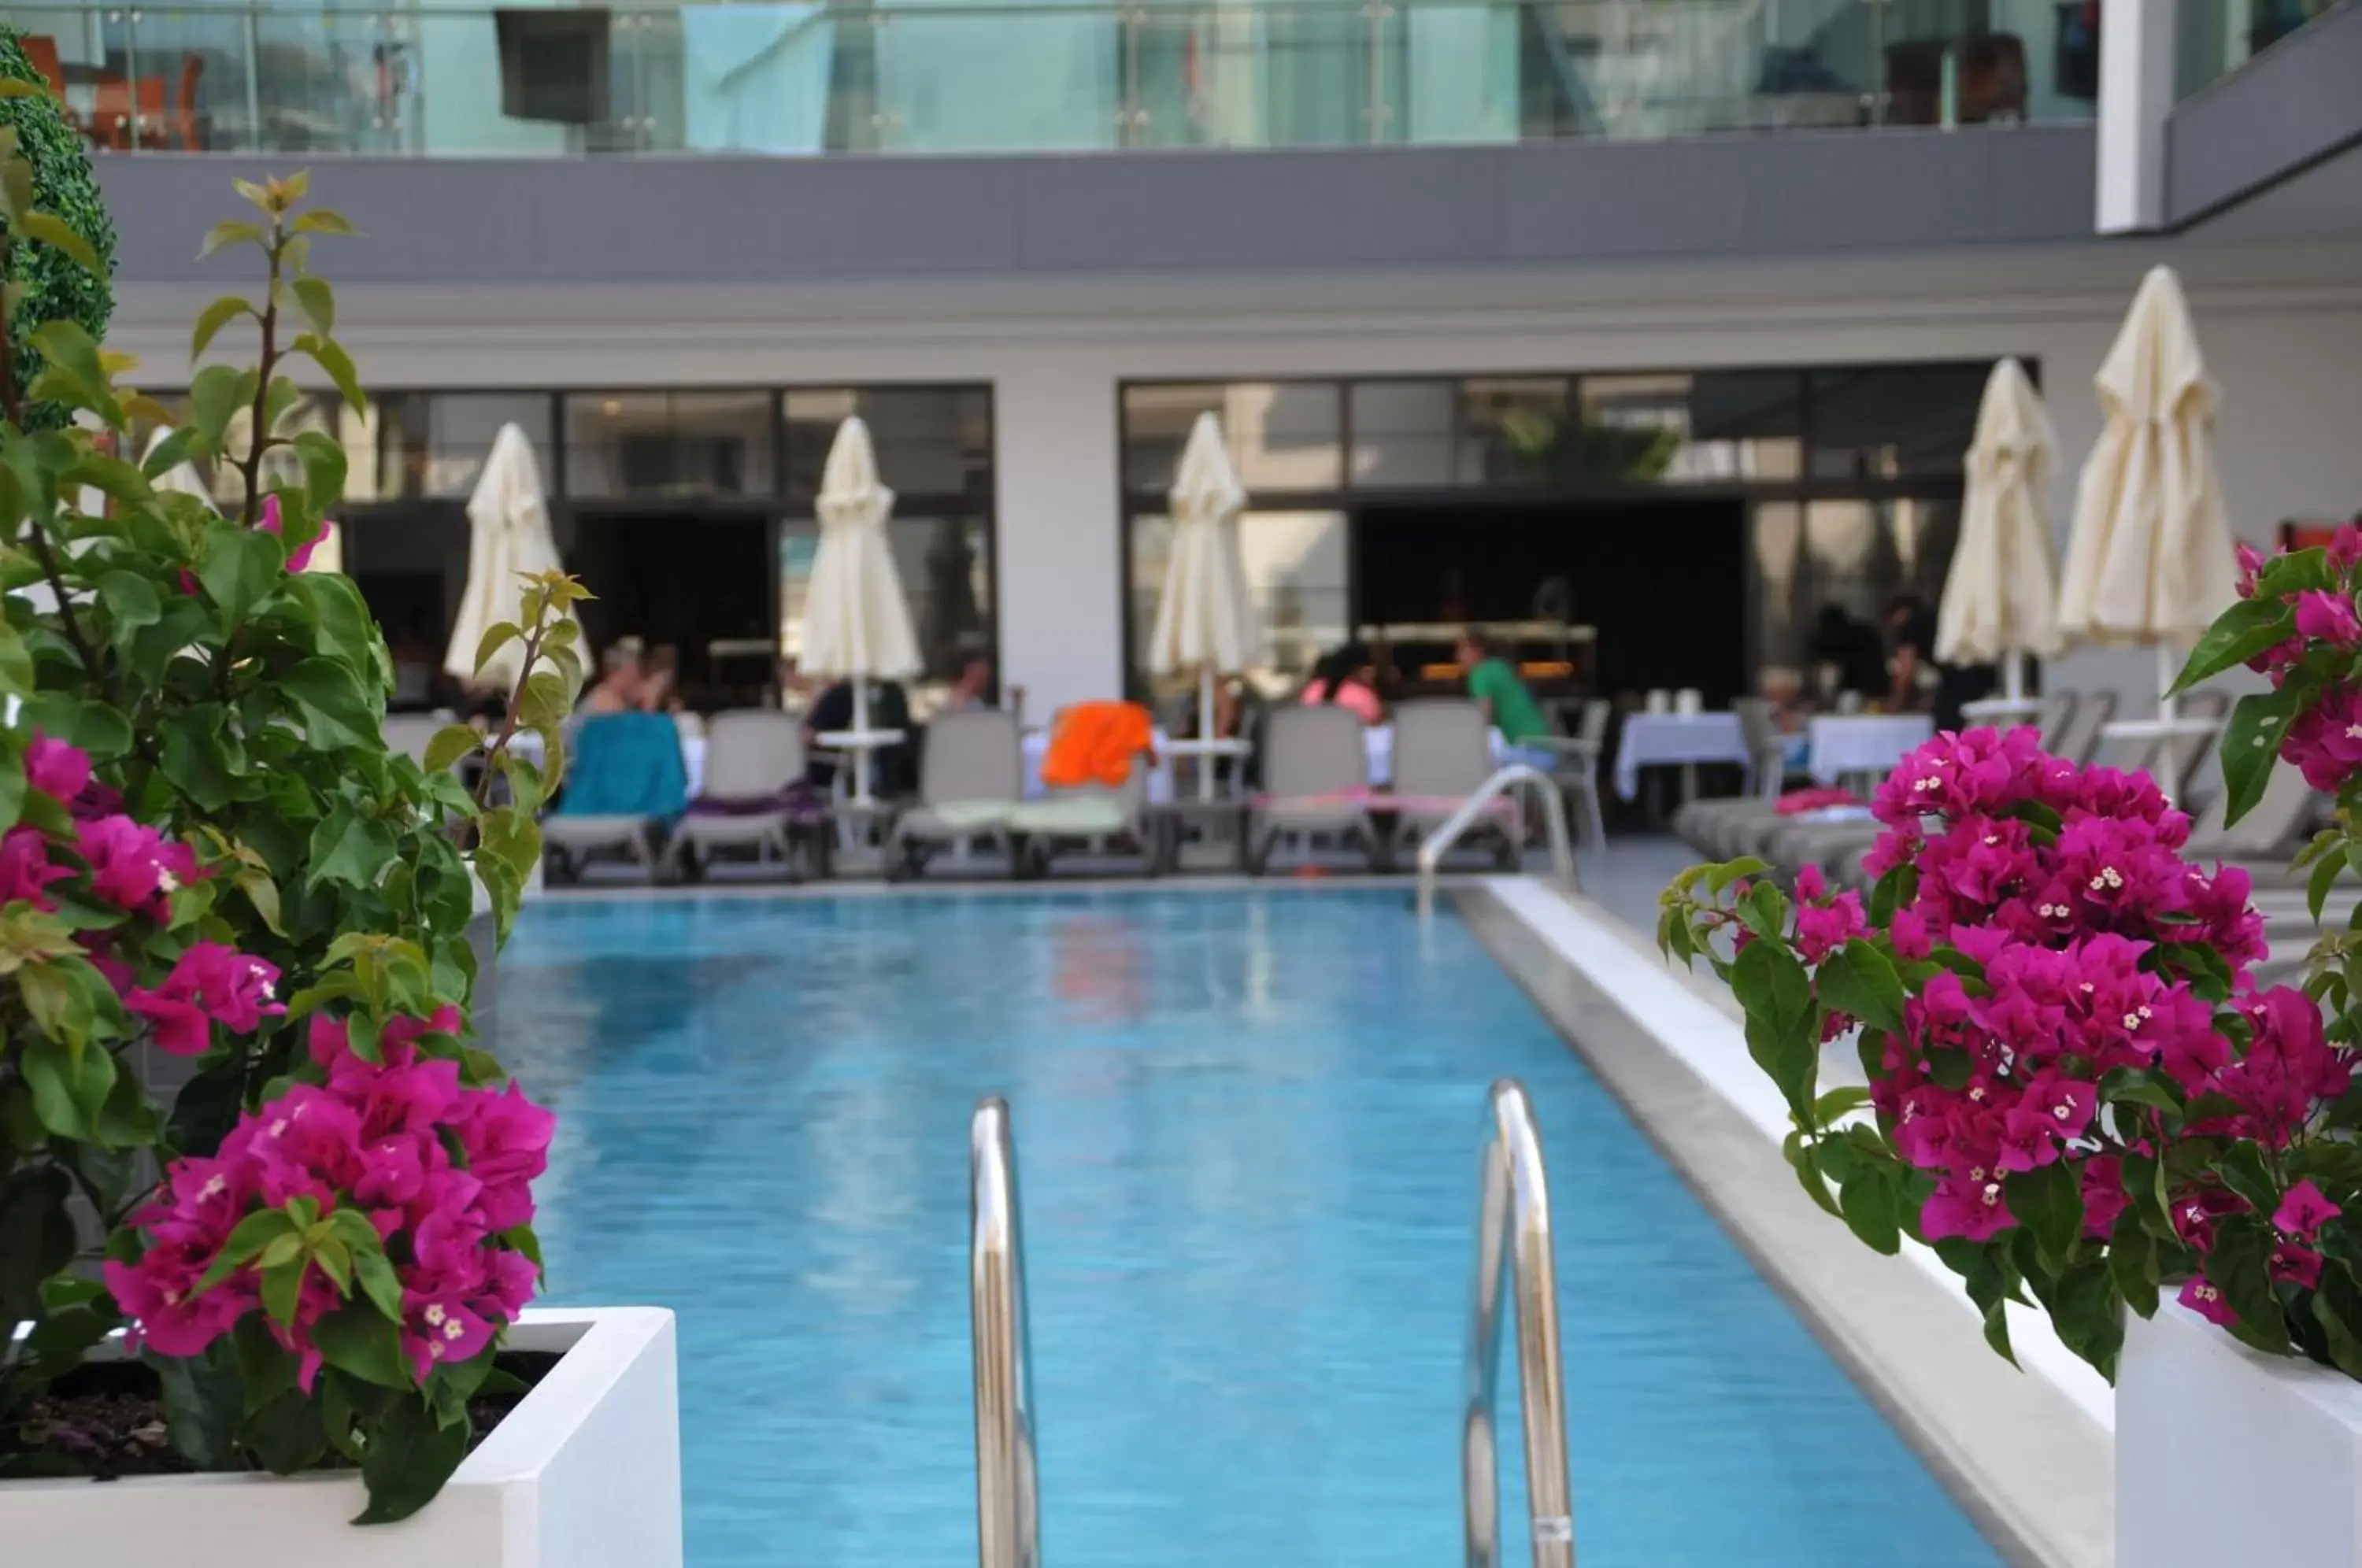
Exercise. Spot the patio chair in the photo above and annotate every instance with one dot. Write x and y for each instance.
(1575, 765)
(1317, 775)
(1094, 819)
(971, 776)
(754, 799)
(1443, 754)
(2079, 737)
(624, 785)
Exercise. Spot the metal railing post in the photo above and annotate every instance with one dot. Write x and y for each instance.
(1514, 1257)
(1437, 844)
(1008, 1502)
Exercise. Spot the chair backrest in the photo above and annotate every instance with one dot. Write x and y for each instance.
(1755, 727)
(2178, 758)
(2057, 714)
(974, 754)
(2080, 737)
(1598, 713)
(1313, 751)
(411, 733)
(1441, 750)
(2274, 828)
(751, 754)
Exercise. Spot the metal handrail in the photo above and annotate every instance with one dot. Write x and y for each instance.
(1437, 844)
(1008, 1498)
(1513, 1243)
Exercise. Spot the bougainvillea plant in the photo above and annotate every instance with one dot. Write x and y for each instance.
(240, 1114)
(2076, 1093)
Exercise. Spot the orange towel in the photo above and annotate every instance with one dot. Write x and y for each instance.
(1094, 743)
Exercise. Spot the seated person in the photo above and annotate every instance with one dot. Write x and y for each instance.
(1347, 678)
(894, 771)
(972, 689)
(1508, 706)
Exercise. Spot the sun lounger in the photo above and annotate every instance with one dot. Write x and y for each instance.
(1443, 754)
(1095, 819)
(971, 778)
(624, 785)
(1317, 775)
(754, 796)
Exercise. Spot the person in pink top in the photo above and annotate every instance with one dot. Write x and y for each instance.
(1347, 678)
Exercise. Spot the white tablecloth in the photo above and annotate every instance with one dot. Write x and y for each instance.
(1869, 743)
(1651, 740)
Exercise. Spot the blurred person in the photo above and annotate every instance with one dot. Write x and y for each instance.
(1852, 647)
(972, 689)
(1920, 682)
(660, 681)
(1347, 678)
(1508, 706)
(618, 687)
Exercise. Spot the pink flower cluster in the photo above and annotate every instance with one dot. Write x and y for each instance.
(2065, 885)
(2325, 742)
(441, 1172)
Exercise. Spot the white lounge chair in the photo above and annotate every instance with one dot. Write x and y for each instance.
(753, 757)
(971, 776)
(1315, 775)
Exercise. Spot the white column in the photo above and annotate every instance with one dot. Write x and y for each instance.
(2136, 82)
(1060, 540)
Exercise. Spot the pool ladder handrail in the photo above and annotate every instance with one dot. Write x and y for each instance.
(1437, 844)
(1514, 1255)
(1008, 1498)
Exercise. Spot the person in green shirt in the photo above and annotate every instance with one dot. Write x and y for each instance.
(1507, 705)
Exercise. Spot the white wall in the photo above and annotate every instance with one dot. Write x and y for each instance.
(2281, 326)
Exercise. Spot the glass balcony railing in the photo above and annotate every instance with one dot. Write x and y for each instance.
(2215, 37)
(931, 77)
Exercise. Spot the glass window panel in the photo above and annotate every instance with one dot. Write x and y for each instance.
(1402, 433)
(1295, 567)
(435, 443)
(931, 441)
(1895, 421)
(1857, 557)
(669, 444)
(1514, 430)
(1156, 422)
(1729, 428)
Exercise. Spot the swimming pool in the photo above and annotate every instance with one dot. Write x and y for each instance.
(1247, 1127)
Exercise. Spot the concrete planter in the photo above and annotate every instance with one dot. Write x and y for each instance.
(584, 1473)
(2226, 1456)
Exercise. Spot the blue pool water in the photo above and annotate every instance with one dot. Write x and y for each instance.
(1247, 1127)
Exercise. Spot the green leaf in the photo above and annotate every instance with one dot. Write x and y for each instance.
(73, 370)
(380, 1285)
(411, 1456)
(2251, 744)
(2240, 1266)
(217, 393)
(2132, 1259)
(331, 357)
(351, 849)
(321, 220)
(2141, 1086)
(325, 466)
(1868, 1201)
(450, 743)
(2295, 571)
(2317, 887)
(359, 1339)
(285, 1434)
(86, 723)
(206, 1108)
(203, 1404)
(69, 1085)
(37, 1237)
(239, 567)
(170, 453)
(318, 302)
(212, 319)
(54, 232)
(2048, 1201)
(1783, 1028)
(2337, 1308)
(192, 758)
(1861, 980)
(247, 1241)
(497, 636)
(1718, 878)
(131, 602)
(1839, 1103)
(2238, 635)
(336, 711)
(2088, 1315)
(227, 233)
(282, 1287)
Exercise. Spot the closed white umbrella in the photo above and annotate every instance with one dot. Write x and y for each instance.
(1206, 617)
(2149, 562)
(856, 624)
(508, 539)
(1999, 597)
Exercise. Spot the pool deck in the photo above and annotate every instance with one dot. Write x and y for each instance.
(2030, 1454)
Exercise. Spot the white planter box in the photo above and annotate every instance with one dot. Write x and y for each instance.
(2227, 1457)
(585, 1473)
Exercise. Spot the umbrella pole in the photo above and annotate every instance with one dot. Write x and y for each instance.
(2165, 674)
(1205, 730)
(860, 751)
(2013, 678)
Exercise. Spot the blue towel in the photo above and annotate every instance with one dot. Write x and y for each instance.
(626, 764)
(755, 77)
